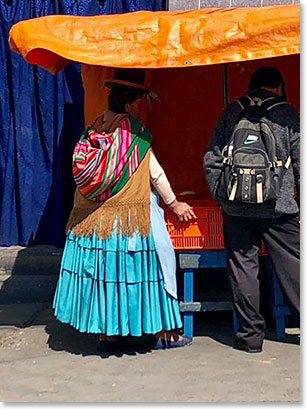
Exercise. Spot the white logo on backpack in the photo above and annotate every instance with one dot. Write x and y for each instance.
(251, 139)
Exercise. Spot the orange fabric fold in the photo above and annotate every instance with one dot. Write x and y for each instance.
(159, 39)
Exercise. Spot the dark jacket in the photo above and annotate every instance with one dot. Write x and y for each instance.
(286, 127)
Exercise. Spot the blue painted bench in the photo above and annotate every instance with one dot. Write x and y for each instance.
(189, 260)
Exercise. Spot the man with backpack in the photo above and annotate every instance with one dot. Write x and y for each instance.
(252, 167)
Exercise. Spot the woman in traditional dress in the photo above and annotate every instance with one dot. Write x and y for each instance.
(118, 270)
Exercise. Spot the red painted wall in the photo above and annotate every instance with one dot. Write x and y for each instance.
(191, 100)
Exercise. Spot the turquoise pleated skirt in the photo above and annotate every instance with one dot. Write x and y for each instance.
(110, 287)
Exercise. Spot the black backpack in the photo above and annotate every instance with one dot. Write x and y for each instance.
(252, 173)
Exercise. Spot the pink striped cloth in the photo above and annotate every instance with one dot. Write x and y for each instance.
(99, 160)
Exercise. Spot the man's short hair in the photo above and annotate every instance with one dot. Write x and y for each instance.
(268, 77)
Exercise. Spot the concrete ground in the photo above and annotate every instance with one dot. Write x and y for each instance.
(45, 361)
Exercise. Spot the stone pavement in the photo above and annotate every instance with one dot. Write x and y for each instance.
(45, 361)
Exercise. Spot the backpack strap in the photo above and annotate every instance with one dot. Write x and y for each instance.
(240, 103)
(279, 163)
(277, 103)
(246, 103)
(254, 106)
(256, 101)
(288, 162)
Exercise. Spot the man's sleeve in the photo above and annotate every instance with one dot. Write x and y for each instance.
(294, 129)
(213, 160)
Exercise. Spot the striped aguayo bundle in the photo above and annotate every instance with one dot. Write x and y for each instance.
(103, 162)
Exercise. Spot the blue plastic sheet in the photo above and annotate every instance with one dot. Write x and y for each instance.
(41, 118)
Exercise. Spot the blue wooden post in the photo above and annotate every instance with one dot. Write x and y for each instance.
(236, 324)
(188, 297)
(280, 310)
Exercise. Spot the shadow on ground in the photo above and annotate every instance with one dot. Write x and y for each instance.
(219, 326)
(63, 337)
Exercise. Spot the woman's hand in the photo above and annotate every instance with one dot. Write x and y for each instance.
(182, 210)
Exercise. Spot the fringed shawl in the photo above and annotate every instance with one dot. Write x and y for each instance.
(129, 201)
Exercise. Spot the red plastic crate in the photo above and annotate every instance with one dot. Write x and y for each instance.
(204, 233)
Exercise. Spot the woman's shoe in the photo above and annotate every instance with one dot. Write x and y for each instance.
(167, 343)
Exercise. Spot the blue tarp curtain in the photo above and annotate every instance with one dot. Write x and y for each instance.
(41, 118)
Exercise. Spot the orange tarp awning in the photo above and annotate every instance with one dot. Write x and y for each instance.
(148, 39)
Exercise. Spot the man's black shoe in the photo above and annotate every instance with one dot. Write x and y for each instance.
(242, 346)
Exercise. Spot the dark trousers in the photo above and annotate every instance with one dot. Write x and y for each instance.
(243, 237)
